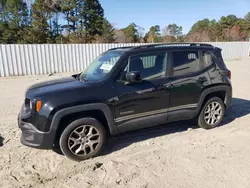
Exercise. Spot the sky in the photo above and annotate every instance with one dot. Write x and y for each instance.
(147, 13)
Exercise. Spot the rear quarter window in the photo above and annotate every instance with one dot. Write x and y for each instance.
(208, 58)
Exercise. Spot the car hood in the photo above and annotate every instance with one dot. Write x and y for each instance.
(54, 86)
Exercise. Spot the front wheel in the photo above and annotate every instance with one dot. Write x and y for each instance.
(212, 113)
(83, 139)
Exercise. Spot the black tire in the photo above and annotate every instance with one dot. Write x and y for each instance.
(77, 124)
(201, 118)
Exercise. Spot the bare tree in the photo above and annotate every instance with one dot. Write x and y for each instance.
(202, 36)
(234, 34)
(141, 32)
(173, 30)
(120, 36)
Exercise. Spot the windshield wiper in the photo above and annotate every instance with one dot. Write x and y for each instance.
(79, 78)
(84, 79)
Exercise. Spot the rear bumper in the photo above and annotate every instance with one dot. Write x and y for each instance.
(34, 138)
(228, 97)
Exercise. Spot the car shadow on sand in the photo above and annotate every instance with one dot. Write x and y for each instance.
(1, 140)
(239, 108)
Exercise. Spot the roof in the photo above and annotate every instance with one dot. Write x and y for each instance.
(163, 45)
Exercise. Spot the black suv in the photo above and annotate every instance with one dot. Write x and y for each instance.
(125, 89)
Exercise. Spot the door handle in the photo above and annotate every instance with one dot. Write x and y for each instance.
(169, 86)
(161, 86)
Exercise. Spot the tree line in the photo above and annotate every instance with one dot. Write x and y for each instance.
(228, 28)
(83, 21)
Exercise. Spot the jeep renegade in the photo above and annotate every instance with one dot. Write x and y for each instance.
(124, 89)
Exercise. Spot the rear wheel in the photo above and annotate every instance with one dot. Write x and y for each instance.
(83, 139)
(212, 113)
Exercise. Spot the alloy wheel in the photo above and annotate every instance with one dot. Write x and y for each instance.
(84, 140)
(213, 113)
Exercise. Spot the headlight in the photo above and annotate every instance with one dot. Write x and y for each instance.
(31, 105)
(28, 105)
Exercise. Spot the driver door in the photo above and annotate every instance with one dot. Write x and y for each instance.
(144, 103)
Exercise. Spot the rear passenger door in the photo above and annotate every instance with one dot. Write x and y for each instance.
(188, 78)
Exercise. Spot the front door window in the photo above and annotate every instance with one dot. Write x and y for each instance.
(151, 66)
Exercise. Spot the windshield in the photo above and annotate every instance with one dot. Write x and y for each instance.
(101, 67)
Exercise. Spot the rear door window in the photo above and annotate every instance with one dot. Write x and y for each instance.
(185, 62)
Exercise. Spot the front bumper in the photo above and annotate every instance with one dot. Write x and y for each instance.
(34, 138)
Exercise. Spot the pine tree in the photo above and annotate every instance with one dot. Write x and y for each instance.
(13, 21)
(3, 11)
(153, 35)
(92, 15)
(108, 33)
(40, 32)
(131, 33)
(68, 9)
(247, 17)
(56, 27)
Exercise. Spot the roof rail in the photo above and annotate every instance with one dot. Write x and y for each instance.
(122, 47)
(172, 44)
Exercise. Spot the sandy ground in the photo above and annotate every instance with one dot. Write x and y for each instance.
(165, 156)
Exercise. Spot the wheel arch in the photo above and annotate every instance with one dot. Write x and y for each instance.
(222, 91)
(99, 111)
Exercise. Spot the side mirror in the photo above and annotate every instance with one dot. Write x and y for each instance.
(133, 77)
